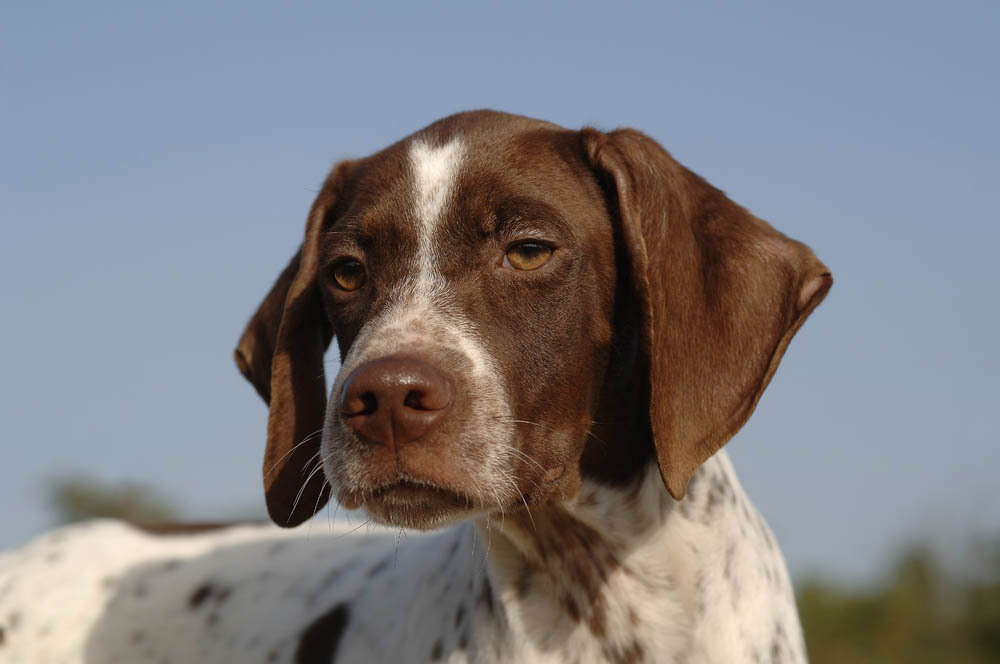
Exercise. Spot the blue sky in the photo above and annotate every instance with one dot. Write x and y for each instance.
(157, 162)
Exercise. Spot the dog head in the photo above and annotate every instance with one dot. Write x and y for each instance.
(518, 307)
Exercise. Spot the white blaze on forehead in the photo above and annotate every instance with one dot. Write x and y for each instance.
(434, 168)
(422, 309)
(434, 171)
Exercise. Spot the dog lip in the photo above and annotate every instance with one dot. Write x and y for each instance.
(410, 492)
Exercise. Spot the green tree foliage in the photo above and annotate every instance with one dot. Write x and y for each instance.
(920, 615)
(77, 497)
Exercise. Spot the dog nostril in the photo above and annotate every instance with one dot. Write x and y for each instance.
(365, 404)
(414, 400)
(369, 404)
(429, 397)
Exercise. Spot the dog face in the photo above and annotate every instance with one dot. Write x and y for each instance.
(479, 277)
(502, 290)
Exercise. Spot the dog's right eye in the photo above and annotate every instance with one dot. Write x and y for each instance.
(348, 274)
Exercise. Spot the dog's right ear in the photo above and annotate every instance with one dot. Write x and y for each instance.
(256, 347)
(281, 354)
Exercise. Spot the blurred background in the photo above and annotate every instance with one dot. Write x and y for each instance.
(157, 162)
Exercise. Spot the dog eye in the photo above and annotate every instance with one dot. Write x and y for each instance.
(349, 274)
(527, 256)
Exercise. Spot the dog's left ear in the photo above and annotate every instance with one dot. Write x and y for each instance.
(721, 295)
(281, 353)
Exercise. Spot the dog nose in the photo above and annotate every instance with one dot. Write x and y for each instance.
(394, 400)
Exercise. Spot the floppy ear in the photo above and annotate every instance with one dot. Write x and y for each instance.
(721, 292)
(281, 353)
(256, 347)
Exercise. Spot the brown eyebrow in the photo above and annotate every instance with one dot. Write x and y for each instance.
(523, 211)
(343, 237)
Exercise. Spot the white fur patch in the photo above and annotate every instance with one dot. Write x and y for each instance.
(434, 173)
(435, 170)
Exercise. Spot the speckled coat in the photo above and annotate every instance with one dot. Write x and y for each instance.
(546, 338)
(618, 576)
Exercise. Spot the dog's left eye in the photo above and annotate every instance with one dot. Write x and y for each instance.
(527, 256)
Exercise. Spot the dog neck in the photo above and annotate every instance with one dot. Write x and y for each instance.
(627, 573)
(582, 576)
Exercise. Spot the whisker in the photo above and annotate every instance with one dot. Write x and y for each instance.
(521, 454)
(335, 510)
(294, 447)
(309, 461)
(319, 495)
(499, 502)
(298, 496)
(489, 541)
(357, 528)
(329, 522)
(590, 432)
(523, 500)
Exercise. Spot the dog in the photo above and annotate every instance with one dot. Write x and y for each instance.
(546, 337)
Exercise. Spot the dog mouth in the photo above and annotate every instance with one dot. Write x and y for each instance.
(409, 503)
(407, 492)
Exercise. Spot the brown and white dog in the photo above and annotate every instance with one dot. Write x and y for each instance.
(546, 337)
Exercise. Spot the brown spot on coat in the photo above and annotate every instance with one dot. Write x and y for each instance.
(200, 594)
(572, 609)
(319, 641)
(486, 596)
(631, 654)
(597, 622)
(523, 583)
(570, 554)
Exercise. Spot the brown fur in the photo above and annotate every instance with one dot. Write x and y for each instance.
(654, 329)
(722, 294)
